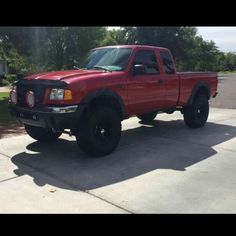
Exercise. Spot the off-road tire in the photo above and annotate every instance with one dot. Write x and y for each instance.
(41, 134)
(99, 131)
(195, 116)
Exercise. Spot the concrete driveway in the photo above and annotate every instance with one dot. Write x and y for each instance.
(161, 167)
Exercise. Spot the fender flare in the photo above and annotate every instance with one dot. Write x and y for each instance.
(196, 89)
(104, 93)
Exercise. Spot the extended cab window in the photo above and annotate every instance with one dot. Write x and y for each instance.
(167, 62)
(148, 59)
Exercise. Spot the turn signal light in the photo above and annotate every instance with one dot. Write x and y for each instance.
(60, 94)
(67, 94)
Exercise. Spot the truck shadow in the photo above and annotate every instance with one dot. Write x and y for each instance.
(156, 145)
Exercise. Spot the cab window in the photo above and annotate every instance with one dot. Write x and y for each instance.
(167, 62)
(148, 59)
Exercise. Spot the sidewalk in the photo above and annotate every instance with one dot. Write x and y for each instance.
(4, 89)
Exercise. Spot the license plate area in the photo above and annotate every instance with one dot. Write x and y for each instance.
(28, 116)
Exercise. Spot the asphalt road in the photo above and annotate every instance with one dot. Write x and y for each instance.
(161, 167)
(226, 97)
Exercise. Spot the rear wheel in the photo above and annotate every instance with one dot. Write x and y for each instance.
(147, 117)
(196, 115)
(99, 132)
(42, 134)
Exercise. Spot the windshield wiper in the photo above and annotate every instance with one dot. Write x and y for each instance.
(100, 67)
(75, 67)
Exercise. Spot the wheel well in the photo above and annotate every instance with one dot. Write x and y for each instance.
(107, 101)
(199, 89)
(203, 91)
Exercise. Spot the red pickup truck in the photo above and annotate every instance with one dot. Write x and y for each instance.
(114, 83)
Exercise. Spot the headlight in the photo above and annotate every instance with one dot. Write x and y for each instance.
(60, 94)
(56, 94)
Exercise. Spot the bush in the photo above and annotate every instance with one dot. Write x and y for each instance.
(4, 83)
(10, 78)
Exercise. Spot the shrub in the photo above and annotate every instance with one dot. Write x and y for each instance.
(4, 83)
(10, 78)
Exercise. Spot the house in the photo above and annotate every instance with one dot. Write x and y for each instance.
(3, 67)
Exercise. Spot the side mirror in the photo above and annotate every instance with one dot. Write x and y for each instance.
(139, 69)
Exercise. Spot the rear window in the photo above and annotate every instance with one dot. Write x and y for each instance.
(167, 62)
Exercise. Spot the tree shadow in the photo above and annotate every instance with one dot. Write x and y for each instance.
(9, 126)
(151, 146)
(8, 129)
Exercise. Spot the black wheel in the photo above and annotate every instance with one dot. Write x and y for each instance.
(99, 132)
(41, 134)
(147, 117)
(196, 115)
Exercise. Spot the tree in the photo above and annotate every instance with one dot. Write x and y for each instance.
(68, 45)
(79, 40)
(52, 47)
(17, 64)
(177, 39)
(56, 48)
(24, 39)
(229, 61)
(205, 55)
(111, 38)
(190, 51)
(122, 36)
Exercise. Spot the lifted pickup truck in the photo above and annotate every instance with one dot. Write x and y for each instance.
(115, 83)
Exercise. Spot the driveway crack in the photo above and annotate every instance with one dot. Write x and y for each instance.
(103, 199)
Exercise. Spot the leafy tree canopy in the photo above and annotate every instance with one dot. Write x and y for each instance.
(29, 49)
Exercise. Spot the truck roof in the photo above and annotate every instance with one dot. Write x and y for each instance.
(133, 46)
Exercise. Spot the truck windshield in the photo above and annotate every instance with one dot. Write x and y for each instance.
(110, 59)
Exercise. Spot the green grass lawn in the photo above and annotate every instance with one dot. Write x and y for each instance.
(5, 117)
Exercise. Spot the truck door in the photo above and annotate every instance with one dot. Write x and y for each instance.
(170, 78)
(145, 88)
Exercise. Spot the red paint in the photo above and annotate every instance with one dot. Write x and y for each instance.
(140, 94)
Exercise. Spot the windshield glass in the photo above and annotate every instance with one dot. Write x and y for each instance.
(112, 59)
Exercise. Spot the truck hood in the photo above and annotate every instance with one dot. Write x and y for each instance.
(63, 75)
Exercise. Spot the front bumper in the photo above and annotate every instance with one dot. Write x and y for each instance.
(58, 118)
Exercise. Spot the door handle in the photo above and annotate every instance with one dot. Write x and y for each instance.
(160, 81)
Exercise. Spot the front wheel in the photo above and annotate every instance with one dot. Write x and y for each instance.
(42, 134)
(99, 132)
(196, 115)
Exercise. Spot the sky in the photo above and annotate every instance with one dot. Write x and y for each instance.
(224, 37)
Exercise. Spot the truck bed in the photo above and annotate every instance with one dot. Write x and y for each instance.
(188, 81)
